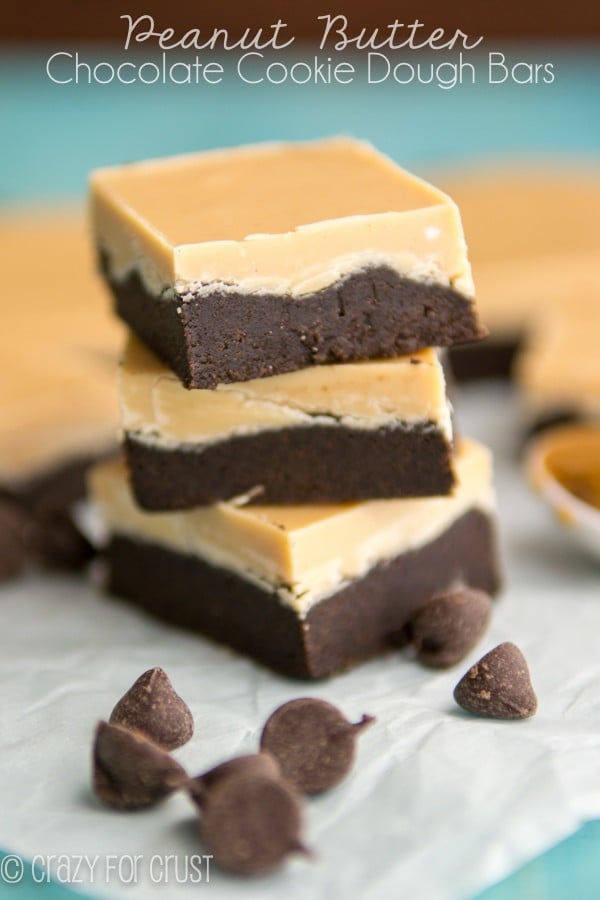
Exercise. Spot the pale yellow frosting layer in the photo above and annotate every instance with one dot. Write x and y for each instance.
(304, 552)
(154, 403)
(58, 345)
(287, 218)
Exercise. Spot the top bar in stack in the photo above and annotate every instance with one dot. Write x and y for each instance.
(240, 264)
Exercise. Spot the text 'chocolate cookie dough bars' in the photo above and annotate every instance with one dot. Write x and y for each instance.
(293, 485)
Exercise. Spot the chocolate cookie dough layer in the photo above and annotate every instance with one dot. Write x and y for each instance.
(328, 434)
(308, 590)
(319, 464)
(225, 336)
(241, 264)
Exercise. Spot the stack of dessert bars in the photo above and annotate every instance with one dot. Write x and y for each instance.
(291, 485)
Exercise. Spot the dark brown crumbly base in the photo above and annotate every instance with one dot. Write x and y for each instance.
(226, 336)
(319, 464)
(492, 358)
(360, 621)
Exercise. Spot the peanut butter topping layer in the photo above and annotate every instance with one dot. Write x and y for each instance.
(533, 237)
(280, 218)
(58, 346)
(409, 389)
(303, 552)
(573, 458)
(560, 366)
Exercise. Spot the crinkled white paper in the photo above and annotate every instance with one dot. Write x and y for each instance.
(439, 804)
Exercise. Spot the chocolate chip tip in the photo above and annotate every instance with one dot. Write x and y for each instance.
(153, 707)
(365, 721)
(299, 847)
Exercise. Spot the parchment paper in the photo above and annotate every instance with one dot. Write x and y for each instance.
(438, 805)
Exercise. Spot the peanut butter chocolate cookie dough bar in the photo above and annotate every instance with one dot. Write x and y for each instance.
(243, 263)
(307, 590)
(326, 434)
(58, 397)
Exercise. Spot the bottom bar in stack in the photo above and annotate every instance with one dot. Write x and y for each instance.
(306, 590)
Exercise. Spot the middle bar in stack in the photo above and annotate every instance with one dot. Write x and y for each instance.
(326, 434)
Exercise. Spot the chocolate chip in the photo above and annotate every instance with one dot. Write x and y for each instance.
(54, 542)
(251, 822)
(152, 707)
(445, 629)
(130, 772)
(12, 548)
(498, 686)
(313, 743)
(252, 763)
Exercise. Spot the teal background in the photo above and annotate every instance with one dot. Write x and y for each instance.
(53, 135)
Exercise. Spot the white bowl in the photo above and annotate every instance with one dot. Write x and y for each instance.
(553, 461)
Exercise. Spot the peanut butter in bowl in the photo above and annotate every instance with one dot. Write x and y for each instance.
(563, 464)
